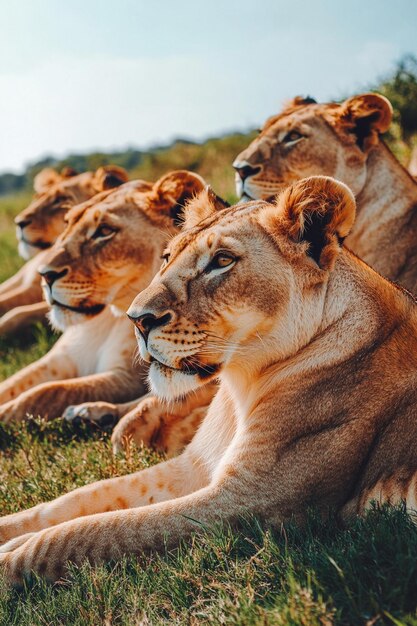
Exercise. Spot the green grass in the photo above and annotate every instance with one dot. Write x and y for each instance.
(10, 206)
(212, 160)
(30, 345)
(318, 575)
(16, 352)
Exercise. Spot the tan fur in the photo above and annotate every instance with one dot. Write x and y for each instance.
(343, 140)
(317, 398)
(166, 427)
(98, 277)
(412, 165)
(38, 226)
(22, 316)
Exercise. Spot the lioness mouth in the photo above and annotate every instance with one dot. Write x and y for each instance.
(42, 245)
(245, 197)
(87, 310)
(191, 368)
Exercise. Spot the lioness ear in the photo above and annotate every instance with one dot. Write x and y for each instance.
(366, 116)
(299, 101)
(318, 211)
(202, 206)
(45, 179)
(173, 191)
(109, 177)
(68, 172)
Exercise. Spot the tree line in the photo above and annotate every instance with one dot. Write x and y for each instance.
(399, 86)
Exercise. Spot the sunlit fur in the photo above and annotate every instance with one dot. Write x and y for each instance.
(165, 426)
(343, 141)
(234, 321)
(38, 226)
(93, 360)
(316, 355)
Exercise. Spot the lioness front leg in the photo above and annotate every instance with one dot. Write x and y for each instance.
(19, 297)
(166, 427)
(109, 536)
(49, 400)
(53, 366)
(164, 481)
(26, 276)
(12, 283)
(22, 316)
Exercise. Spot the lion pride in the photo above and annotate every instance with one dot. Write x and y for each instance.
(317, 359)
(342, 140)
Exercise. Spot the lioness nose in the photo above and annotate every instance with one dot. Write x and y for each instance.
(22, 222)
(51, 276)
(148, 321)
(245, 170)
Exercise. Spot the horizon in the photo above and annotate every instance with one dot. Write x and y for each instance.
(122, 149)
(96, 77)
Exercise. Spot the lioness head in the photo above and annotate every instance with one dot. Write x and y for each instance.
(39, 225)
(236, 279)
(112, 245)
(307, 138)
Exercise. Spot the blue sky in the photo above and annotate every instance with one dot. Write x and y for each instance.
(95, 74)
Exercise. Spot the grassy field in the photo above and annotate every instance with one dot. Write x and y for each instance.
(318, 575)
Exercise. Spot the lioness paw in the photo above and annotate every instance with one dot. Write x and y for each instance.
(11, 545)
(48, 552)
(103, 413)
(139, 425)
(11, 411)
(18, 564)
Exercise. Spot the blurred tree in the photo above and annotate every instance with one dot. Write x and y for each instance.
(11, 182)
(400, 88)
(212, 158)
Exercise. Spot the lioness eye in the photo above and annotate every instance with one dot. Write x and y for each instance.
(59, 202)
(293, 135)
(60, 199)
(220, 261)
(223, 261)
(103, 231)
(165, 257)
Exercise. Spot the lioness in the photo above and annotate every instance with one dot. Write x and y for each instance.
(317, 359)
(38, 226)
(110, 249)
(342, 140)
